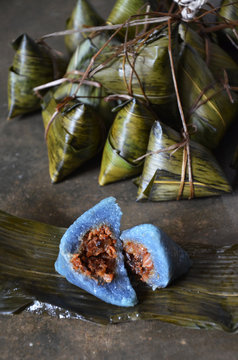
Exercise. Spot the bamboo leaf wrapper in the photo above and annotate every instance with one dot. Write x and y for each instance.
(229, 11)
(127, 140)
(198, 300)
(207, 106)
(151, 64)
(217, 59)
(82, 14)
(124, 9)
(75, 135)
(34, 64)
(161, 176)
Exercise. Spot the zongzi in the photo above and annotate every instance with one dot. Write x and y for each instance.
(74, 134)
(215, 57)
(90, 255)
(83, 14)
(144, 73)
(153, 256)
(161, 178)
(207, 106)
(34, 64)
(127, 140)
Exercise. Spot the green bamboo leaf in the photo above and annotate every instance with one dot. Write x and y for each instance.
(21, 99)
(76, 134)
(34, 64)
(124, 9)
(151, 63)
(130, 130)
(114, 167)
(160, 180)
(217, 59)
(82, 14)
(164, 185)
(127, 140)
(83, 54)
(206, 103)
(198, 300)
(229, 10)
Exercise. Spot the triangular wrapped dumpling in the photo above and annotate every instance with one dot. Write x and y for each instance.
(151, 64)
(34, 64)
(127, 140)
(153, 256)
(161, 176)
(83, 14)
(74, 134)
(91, 257)
(216, 58)
(207, 106)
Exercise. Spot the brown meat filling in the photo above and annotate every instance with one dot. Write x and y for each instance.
(97, 255)
(139, 260)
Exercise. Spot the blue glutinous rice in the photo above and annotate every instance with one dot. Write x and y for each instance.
(153, 256)
(91, 258)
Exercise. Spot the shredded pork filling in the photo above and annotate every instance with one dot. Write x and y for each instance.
(139, 260)
(96, 256)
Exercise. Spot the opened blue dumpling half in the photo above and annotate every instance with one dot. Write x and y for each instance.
(153, 256)
(90, 255)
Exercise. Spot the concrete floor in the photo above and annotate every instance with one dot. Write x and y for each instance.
(26, 191)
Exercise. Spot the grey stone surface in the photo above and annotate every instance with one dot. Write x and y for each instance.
(26, 191)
